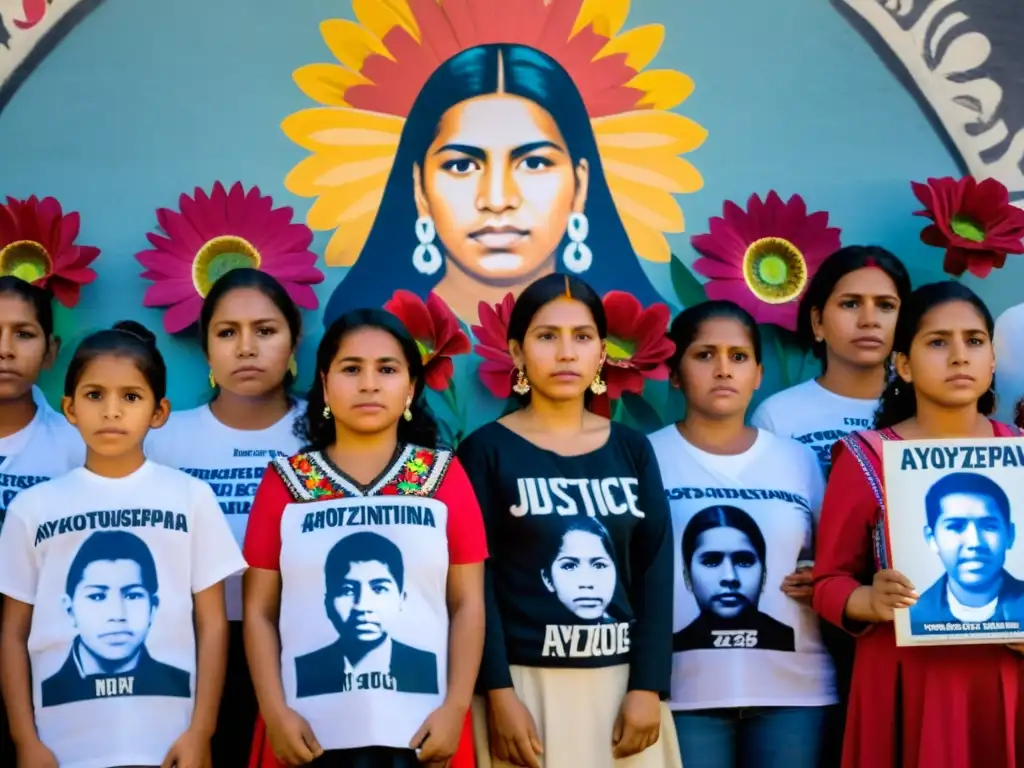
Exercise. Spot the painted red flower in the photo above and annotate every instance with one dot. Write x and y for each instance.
(973, 220)
(763, 257)
(496, 369)
(437, 332)
(637, 345)
(37, 244)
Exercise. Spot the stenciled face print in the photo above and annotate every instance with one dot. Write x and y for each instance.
(249, 344)
(951, 362)
(971, 537)
(23, 347)
(500, 185)
(368, 602)
(583, 575)
(725, 572)
(561, 351)
(859, 318)
(368, 385)
(111, 609)
(718, 373)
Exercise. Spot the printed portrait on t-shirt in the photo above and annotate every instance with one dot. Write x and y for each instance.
(724, 565)
(968, 525)
(112, 596)
(365, 592)
(581, 570)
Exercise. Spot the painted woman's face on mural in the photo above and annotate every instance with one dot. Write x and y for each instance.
(500, 185)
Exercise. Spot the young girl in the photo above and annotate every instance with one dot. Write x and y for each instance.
(847, 317)
(751, 680)
(567, 684)
(933, 707)
(364, 614)
(114, 576)
(36, 442)
(249, 328)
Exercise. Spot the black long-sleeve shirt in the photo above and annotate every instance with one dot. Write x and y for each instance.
(580, 573)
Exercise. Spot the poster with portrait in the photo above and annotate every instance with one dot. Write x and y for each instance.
(952, 508)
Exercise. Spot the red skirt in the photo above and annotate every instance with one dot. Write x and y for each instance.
(262, 755)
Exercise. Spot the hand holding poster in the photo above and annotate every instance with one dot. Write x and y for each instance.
(951, 509)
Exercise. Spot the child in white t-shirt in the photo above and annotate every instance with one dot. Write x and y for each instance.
(114, 636)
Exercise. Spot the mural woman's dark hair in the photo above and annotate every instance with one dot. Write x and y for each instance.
(317, 432)
(127, 339)
(686, 326)
(898, 402)
(386, 260)
(261, 282)
(832, 270)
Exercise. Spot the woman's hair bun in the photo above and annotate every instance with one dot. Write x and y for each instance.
(138, 330)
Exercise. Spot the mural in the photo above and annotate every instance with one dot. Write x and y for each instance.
(467, 147)
(29, 29)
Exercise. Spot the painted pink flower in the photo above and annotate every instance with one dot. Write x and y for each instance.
(496, 370)
(763, 257)
(637, 345)
(213, 234)
(437, 332)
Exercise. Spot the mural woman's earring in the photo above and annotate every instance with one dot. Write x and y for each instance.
(327, 412)
(522, 385)
(426, 258)
(213, 381)
(408, 413)
(597, 386)
(577, 256)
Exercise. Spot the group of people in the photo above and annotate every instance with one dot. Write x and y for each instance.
(266, 580)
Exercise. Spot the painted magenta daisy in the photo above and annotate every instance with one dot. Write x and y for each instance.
(762, 258)
(37, 244)
(437, 332)
(213, 234)
(637, 346)
(973, 220)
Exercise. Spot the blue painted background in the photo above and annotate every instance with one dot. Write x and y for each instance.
(145, 100)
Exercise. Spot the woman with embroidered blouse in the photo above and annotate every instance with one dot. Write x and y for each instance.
(364, 615)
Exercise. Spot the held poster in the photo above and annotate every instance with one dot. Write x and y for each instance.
(952, 508)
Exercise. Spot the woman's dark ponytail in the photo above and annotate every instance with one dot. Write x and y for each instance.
(317, 431)
(899, 401)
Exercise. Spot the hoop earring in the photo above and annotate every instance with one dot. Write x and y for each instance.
(327, 412)
(577, 255)
(213, 381)
(522, 385)
(597, 386)
(426, 258)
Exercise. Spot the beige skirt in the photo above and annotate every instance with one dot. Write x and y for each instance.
(575, 711)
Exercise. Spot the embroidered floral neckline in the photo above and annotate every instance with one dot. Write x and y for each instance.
(415, 471)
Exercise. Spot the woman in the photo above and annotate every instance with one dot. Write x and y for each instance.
(932, 707)
(581, 571)
(751, 680)
(114, 578)
(445, 226)
(364, 609)
(847, 317)
(564, 688)
(249, 328)
(36, 442)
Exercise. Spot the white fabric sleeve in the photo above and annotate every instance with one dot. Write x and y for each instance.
(215, 554)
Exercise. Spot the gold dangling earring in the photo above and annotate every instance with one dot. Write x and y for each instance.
(327, 412)
(597, 386)
(522, 385)
(293, 368)
(213, 381)
(408, 413)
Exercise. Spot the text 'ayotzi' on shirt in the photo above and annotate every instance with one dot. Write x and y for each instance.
(580, 569)
(741, 524)
(110, 567)
(364, 573)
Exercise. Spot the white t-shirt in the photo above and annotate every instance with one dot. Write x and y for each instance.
(47, 447)
(110, 566)
(814, 416)
(740, 526)
(231, 460)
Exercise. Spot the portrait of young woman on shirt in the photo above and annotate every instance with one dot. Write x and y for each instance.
(933, 707)
(249, 328)
(579, 592)
(114, 578)
(751, 681)
(364, 607)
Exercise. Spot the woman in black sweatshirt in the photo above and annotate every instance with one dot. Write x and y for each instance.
(577, 656)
